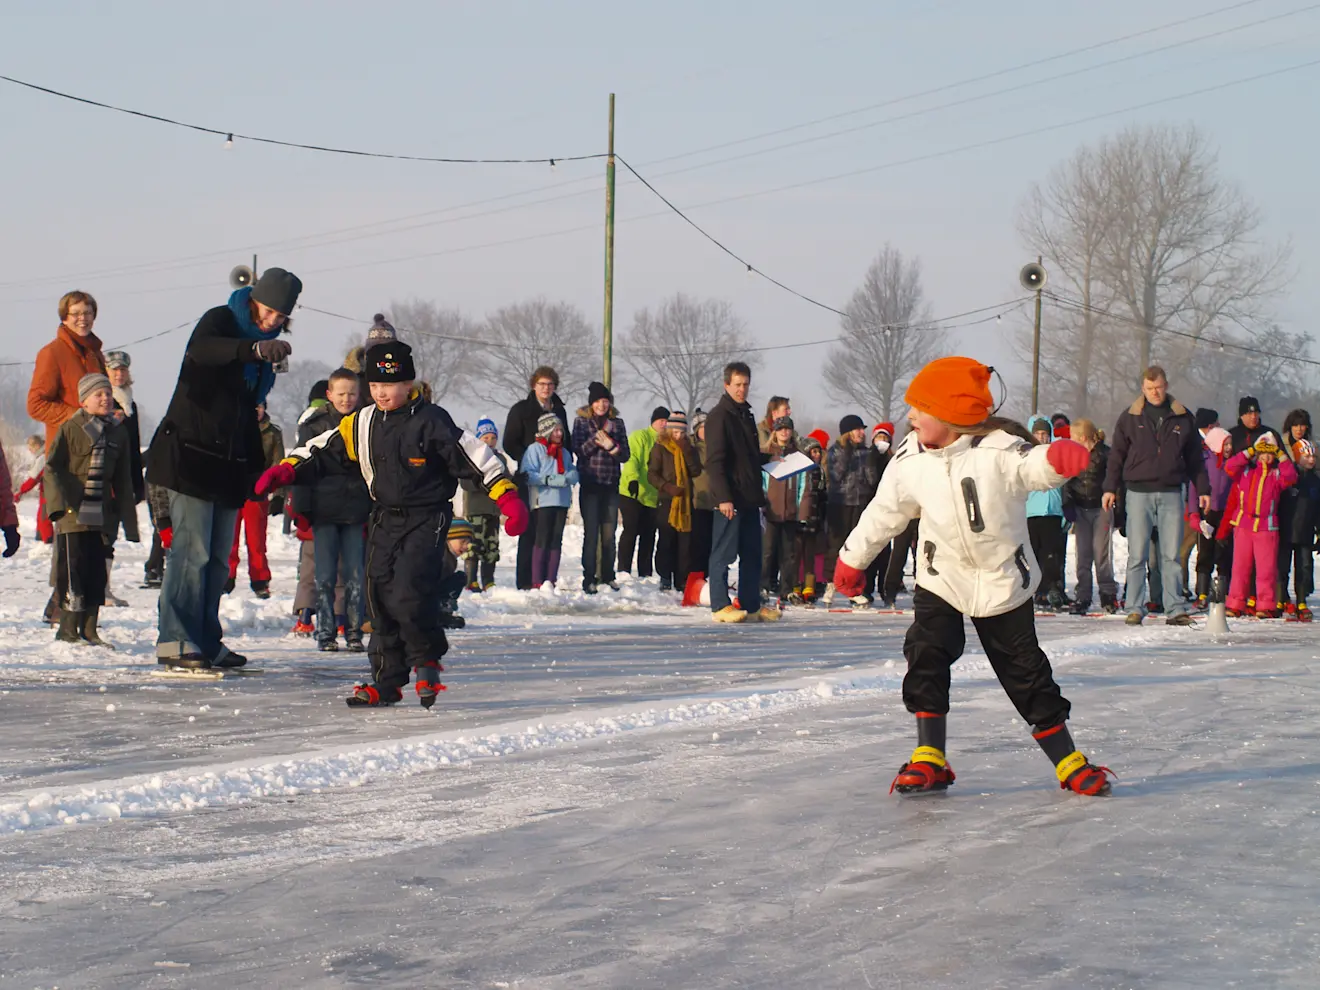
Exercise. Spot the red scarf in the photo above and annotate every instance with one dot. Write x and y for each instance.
(555, 450)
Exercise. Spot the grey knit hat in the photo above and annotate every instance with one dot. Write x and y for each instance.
(88, 384)
(545, 426)
(381, 330)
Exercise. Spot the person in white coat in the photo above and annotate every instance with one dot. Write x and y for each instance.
(966, 476)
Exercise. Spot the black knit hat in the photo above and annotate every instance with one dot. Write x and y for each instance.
(850, 423)
(659, 412)
(597, 391)
(1248, 404)
(1206, 418)
(277, 289)
(391, 361)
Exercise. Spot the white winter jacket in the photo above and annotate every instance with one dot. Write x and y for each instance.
(971, 497)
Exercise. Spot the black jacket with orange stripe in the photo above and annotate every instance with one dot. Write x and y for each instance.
(410, 458)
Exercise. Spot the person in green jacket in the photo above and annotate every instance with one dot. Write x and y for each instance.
(638, 500)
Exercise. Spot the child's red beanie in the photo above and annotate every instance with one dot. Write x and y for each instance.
(821, 437)
(953, 389)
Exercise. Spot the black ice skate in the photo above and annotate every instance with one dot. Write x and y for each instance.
(428, 683)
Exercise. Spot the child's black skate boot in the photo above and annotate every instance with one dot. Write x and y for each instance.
(927, 770)
(370, 696)
(428, 682)
(1075, 772)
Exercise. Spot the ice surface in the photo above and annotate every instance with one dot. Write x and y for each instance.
(615, 792)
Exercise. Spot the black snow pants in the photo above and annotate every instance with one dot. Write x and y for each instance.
(405, 582)
(937, 639)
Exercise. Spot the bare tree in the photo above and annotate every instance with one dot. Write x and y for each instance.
(1153, 252)
(519, 338)
(441, 342)
(678, 353)
(887, 337)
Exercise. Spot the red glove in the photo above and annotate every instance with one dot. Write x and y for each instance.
(277, 477)
(515, 513)
(303, 525)
(1068, 457)
(849, 580)
(167, 537)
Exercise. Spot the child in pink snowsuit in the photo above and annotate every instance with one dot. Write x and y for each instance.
(1260, 476)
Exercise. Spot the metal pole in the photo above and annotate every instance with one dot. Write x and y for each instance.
(607, 371)
(255, 272)
(1035, 352)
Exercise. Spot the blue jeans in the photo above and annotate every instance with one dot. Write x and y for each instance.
(737, 537)
(332, 544)
(196, 569)
(600, 518)
(1145, 511)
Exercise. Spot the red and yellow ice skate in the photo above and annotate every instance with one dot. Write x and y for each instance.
(1078, 774)
(928, 770)
(428, 682)
(370, 696)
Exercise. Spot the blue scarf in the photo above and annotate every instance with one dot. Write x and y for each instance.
(259, 375)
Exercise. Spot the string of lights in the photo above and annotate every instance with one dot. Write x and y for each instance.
(1079, 306)
(231, 136)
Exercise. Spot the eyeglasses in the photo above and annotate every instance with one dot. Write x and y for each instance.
(545, 384)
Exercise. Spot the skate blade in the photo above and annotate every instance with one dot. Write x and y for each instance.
(916, 790)
(189, 673)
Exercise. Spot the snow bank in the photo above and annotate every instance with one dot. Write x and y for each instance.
(315, 771)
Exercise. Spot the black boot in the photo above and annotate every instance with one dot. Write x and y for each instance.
(88, 628)
(927, 770)
(1074, 771)
(487, 574)
(70, 628)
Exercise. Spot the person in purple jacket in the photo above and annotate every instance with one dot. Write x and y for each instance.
(600, 445)
(1211, 552)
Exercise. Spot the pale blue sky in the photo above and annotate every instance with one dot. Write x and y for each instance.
(86, 190)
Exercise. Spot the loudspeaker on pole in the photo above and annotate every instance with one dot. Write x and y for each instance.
(240, 276)
(1032, 277)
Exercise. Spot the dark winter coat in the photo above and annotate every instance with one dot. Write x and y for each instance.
(854, 472)
(520, 427)
(332, 499)
(702, 501)
(733, 455)
(1144, 459)
(133, 425)
(597, 466)
(67, 467)
(1087, 489)
(411, 458)
(662, 473)
(208, 444)
(1300, 510)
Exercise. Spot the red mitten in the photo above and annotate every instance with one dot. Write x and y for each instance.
(516, 518)
(849, 580)
(303, 525)
(1068, 457)
(167, 537)
(278, 476)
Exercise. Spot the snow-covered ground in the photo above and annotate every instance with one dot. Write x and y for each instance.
(615, 792)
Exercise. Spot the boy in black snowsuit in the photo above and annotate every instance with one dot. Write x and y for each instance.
(412, 457)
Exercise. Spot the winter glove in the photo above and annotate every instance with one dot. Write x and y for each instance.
(277, 505)
(303, 525)
(515, 513)
(1070, 513)
(848, 581)
(632, 489)
(1207, 530)
(11, 541)
(273, 351)
(279, 476)
(1068, 457)
(556, 481)
(166, 536)
(672, 490)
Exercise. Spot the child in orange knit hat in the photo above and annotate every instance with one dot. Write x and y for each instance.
(965, 475)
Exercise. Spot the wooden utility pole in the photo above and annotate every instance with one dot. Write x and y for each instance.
(607, 370)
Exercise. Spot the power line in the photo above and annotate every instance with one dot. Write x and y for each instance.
(1082, 307)
(231, 136)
